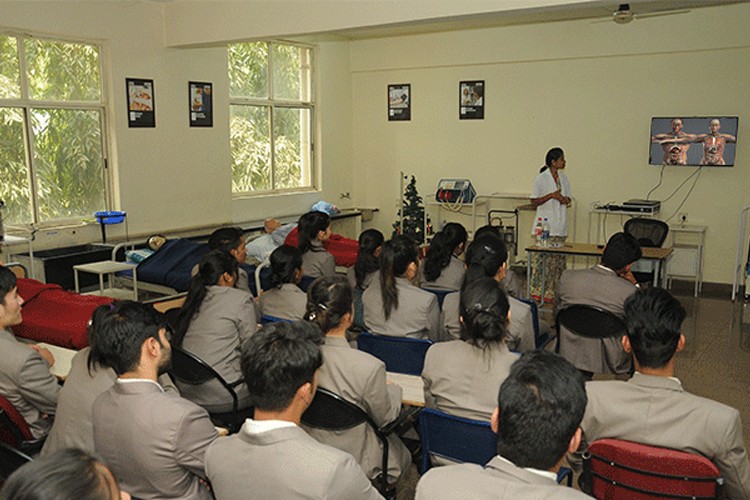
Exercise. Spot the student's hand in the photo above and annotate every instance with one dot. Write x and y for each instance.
(629, 276)
(44, 353)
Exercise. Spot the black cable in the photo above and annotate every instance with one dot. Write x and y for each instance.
(661, 178)
(682, 184)
(700, 169)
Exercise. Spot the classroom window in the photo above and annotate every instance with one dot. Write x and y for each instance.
(52, 155)
(271, 117)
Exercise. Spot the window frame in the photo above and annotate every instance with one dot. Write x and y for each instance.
(271, 103)
(27, 104)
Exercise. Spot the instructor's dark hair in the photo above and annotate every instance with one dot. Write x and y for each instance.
(552, 155)
(441, 249)
(369, 241)
(541, 405)
(395, 258)
(653, 318)
(308, 227)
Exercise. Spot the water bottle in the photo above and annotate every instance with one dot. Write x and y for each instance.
(545, 233)
(538, 231)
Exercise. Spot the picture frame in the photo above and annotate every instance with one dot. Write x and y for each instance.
(399, 102)
(471, 98)
(200, 104)
(141, 103)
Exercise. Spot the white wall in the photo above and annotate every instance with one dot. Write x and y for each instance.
(589, 88)
(175, 176)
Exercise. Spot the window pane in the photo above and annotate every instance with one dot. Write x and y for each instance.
(291, 129)
(250, 143)
(62, 71)
(69, 162)
(10, 85)
(287, 73)
(248, 70)
(14, 187)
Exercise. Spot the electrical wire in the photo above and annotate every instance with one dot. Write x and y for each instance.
(700, 169)
(697, 172)
(661, 178)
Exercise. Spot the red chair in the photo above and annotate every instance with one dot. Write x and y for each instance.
(622, 470)
(15, 431)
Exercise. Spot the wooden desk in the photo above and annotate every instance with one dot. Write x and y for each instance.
(658, 255)
(412, 386)
(63, 358)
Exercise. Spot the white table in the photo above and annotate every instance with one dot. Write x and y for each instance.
(412, 386)
(11, 240)
(109, 268)
(688, 242)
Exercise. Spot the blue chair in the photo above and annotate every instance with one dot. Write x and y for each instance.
(305, 283)
(400, 354)
(540, 340)
(461, 440)
(440, 294)
(267, 318)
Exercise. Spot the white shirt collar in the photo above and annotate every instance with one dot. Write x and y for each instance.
(670, 378)
(260, 426)
(543, 473)
(133, 380)
(605, 268)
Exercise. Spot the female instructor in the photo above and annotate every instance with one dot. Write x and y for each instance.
(551, 197)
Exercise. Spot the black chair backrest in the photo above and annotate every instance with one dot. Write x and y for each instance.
(10, 460)
(590, 321)
(649, 232)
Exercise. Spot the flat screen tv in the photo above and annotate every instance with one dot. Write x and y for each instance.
(693, 141)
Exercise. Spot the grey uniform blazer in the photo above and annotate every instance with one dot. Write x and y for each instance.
(318, 262)
(154, 443)
(283, 463)
(352, 278)
(498, 480)
(417, 314)
(360, 379)
(451, 277)
(464, 380)
(285, 302)
(601, 287)
(27, 384)
(225, 318)
(73, 426)
(657, 411)
(520, 331)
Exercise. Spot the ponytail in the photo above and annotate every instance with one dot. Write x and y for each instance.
(369, 241)
(285, 262)
(329, 299)
(484, 309)
(308, 227)
(484, 258)
(395, 258)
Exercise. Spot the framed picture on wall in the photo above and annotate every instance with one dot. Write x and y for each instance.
(141, 104)
(200, 97)
(471, 100)
(399, 102)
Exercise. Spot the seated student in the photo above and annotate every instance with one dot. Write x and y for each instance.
(25, 379)
(652, 407)
(67, 474)
(271, 456)
(510, 283)
(315, 228)
(393, 305)
(539, 408)
(357, 377)
(285, 299)
(487, 257)
(462, 377)
(214, 320)
(442, 269)
(89, 376)
(153, 442)
(231, 240)
(365, 270)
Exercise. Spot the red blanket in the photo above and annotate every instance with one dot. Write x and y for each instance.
(55, 316)
(344, 250)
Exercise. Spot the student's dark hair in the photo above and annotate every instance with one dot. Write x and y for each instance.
(441, 249)
(369, 241)
(484, 309)
(329, 298)
(123, 330)
(285, 262)
(7, 283)
(622, 249)
(211, 268)
(487, 230)
(308, 227)
(484, 258)
(395, 258)
(93, 331)
(653, 318)
(552, 155)
(225, 238)
(541, 405)
(278, 360)
(66, 474)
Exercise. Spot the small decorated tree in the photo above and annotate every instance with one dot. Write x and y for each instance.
(411, 215)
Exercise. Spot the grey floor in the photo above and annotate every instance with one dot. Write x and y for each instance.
(715, 362)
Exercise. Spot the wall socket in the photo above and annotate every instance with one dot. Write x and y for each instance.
(682, 217)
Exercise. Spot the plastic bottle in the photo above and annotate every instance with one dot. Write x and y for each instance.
(545, 233)
(538, 231)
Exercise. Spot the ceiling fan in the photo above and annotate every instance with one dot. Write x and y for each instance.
(624, 15)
